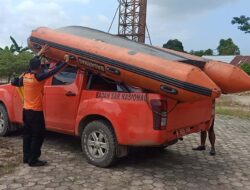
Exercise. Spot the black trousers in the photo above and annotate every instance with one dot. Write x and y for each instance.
(33, 135)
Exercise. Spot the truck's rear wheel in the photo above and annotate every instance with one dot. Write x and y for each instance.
(4, 121)
(99, 143)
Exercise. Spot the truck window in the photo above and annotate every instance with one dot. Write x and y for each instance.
(65, 77)
(99, 83)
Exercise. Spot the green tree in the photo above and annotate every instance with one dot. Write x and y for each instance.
(209, 52)
(202, 52)
(243, 22)
(16, 47)
(246, 67)
(13, 59)
(7, 48)
(227, 47)
(174, 45)
(11, 63)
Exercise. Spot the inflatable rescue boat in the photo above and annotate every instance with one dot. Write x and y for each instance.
(126, 61)
(230, 78)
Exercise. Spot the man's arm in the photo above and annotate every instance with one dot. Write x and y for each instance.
(18, 82)
(43, 76)
(43, 50)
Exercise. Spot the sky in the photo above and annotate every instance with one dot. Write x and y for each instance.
(199, 24)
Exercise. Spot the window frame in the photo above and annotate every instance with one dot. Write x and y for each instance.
(60, 72)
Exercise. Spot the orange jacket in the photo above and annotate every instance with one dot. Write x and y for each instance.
(33, 92)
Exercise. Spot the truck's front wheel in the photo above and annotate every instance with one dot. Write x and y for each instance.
(4, 121)
(99, 143)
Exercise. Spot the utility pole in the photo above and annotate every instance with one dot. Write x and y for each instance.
(132, 19)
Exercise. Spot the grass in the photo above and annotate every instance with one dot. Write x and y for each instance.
(235, 112)
(227, 103)
(230, 107)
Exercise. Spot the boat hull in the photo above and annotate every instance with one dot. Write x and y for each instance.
(230, 78)
(145, 70)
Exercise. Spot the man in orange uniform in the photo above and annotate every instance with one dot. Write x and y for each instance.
(34, 125)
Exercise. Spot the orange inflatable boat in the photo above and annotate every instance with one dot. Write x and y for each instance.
(127, 61)
(229, 78)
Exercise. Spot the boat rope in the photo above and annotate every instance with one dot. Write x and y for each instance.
(113, 18)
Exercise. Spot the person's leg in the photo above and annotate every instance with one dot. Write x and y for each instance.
(38, 131)
(26, 136)
(203, 138)
(41, 135)
(212, 138)
(203, 141)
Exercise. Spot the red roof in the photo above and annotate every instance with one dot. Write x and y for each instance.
(238, 60)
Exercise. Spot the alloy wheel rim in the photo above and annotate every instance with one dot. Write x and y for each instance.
(97, 144)
(2, 122)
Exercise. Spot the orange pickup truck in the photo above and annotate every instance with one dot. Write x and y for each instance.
(108, 116)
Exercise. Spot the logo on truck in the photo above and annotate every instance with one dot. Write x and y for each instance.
(122, 96)
(91, 65)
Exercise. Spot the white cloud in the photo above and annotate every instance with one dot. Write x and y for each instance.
(178, 9)
(20, 19)
(100, 22)
(165, 17)
(46, 14)
(87, 21)
(60, 1)
(67, 1)
(103, 18)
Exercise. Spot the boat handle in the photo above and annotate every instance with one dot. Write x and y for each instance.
(113, 70)
(72, 57)
(169, 90)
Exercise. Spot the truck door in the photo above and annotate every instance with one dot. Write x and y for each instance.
(61, 99)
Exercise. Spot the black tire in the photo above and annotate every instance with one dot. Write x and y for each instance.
(4, 121)
(99, 144)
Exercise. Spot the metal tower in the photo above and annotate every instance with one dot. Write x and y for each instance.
(132, 19)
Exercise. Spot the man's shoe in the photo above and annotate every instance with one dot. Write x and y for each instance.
(25, 161)
(199, 148)
(212, 152)
(38, 163)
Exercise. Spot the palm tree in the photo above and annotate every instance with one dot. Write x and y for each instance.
(9, 49)
(16, 48)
